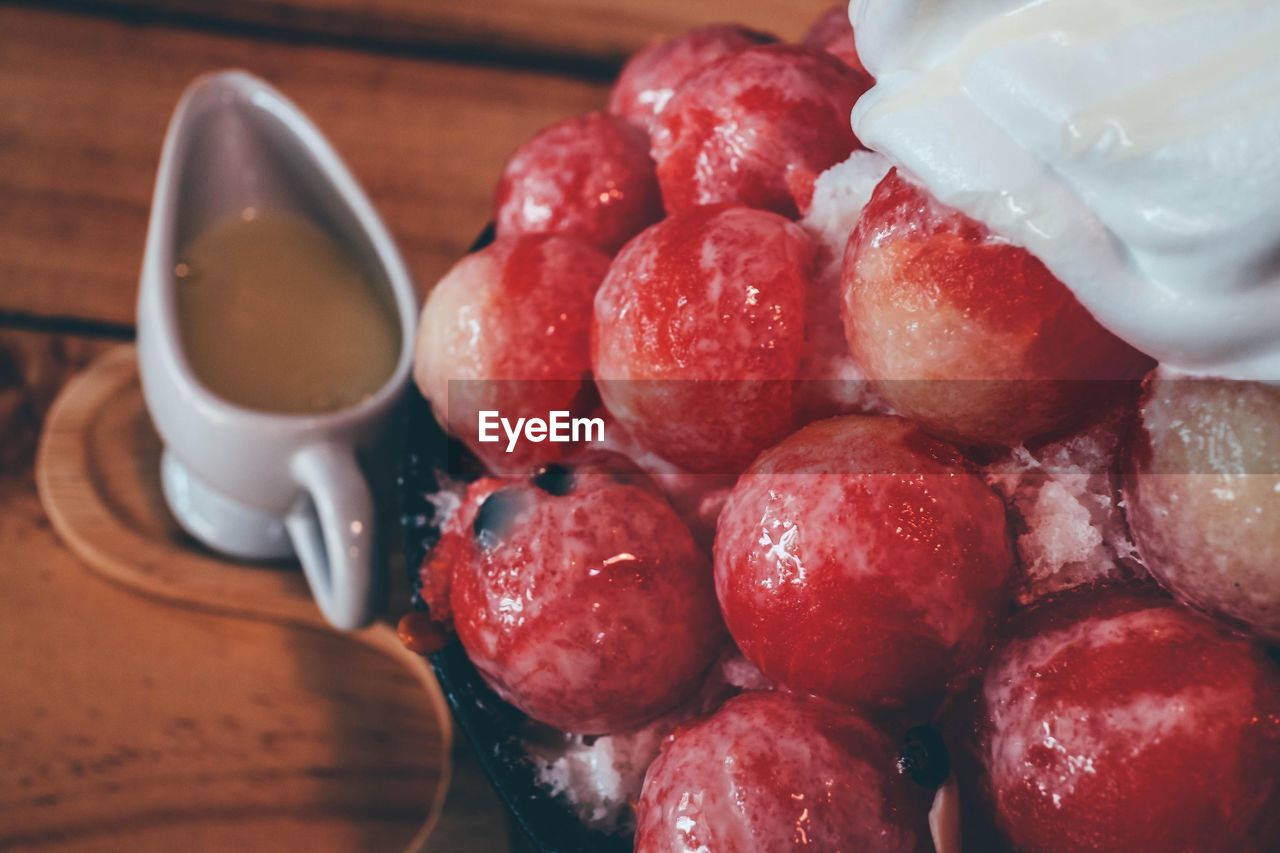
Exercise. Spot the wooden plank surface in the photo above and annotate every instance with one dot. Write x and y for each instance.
(128, 724)
(83, 107)
(33, 368)
(601, 32)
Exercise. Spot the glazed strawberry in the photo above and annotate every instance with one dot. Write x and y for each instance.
(862, 561)
(652, 76)
(589, 177)
(583, 599)
(476, 345)
(1202, 495)
(457, 503)
(967, 334)
(774, 772)
(833, 32)
(753, 125)
(1120, 721)
(697, 334)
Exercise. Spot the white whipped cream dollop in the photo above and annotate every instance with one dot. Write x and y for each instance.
(1132, 145)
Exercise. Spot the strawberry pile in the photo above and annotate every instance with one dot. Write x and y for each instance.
(1016, 538)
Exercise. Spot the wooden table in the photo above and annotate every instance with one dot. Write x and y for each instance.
(103, 691)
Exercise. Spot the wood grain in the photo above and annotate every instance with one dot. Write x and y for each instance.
(98, 475)
(33, 367)
(83, 106)
(131, 725)
(42, 671)
(98, 472)
(602, 32)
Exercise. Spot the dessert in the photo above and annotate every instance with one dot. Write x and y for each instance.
(967, 334)
(581, 597)
(602, 776)
(1118, 720)
(822, 778)
(830, 380)
(750, 127)
(881, 489)
(474, 351)
(651, 77)
(696, 498)
(588, 177)
(1067, 510)
(1128, 148)
(699, 316)
(1202, 493)
(862, 561)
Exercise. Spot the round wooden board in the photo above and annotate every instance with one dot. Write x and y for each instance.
(97, 472)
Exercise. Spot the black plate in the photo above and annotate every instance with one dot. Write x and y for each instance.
(492, 726)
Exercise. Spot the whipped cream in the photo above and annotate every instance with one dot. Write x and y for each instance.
(1132, 145)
